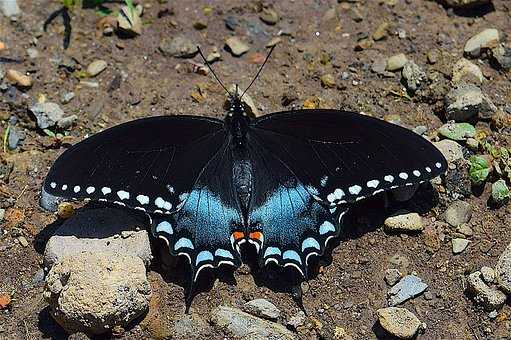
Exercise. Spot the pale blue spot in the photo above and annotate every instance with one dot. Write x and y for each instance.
(223, 253)
(166, 227)
(326, 227)
(204, 256)
(292, 255)
(310, 243)
(272, 251)
(183, 243)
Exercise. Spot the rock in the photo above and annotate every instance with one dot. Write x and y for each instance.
(262, 308)
(396, 62)
(403, 221)
(503, 270)
(502, 55)
(67, 97)
(15, 137)
(328, 81)
(489, 298)
(457, 131)
(464, 4)
(18, 79)
(5, 301)
(98, 230)
(392, 276)
(269, 16)
(467, 101)
(465, 230)
(488, 274)
(413, 76)
(178, 47)
(96, 67)
(451, 150)
(459, 245)
(457, 180)
(273, 42)
(379, 66)
(241, 325)
(500, 192)
(32, 53)
(457, 213)
(231, 23)
(236, 46)
(23, 241)
(129, 21)
(297, 320)
(489, 38)
(381, 31)
(67, 122)
(47, 114)
(92, 292)
(466, 71)
(10, 8)
(190, 326)
(399, 322)
(432, 57)
(409, 287)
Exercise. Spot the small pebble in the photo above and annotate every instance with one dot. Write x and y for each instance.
(381, 32)
(236, 46)
(488, 274)
(2, 46)
(399, 322)
(457, 213)
(96, 67)
(407, 288)
(451, 150)
(459, 245)
(23, 241)
(396, 62)
(466, 71)
(32, 53)
(67, 97)
(392, 276)
(404, 222)
(178, 47)
(457, 131)
(413, 76)
(18, 79)
(269, 16)
(328, 81)
(488, 38)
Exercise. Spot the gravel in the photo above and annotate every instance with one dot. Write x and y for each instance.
(399, 322)
(92, 292)
(409, 287)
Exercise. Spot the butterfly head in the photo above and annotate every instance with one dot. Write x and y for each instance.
(236, 106)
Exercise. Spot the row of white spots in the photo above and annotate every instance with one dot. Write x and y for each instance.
(354, 190)
(124, 195)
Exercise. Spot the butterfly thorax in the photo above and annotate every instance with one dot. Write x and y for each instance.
(237, 121)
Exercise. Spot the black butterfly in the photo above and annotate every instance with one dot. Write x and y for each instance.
(281, 182)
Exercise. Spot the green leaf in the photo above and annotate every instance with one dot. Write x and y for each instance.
(130, 5)
(479, 169)
(49, 132)
(457, 131)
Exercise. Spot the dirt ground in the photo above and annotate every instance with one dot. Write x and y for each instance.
(350, 285)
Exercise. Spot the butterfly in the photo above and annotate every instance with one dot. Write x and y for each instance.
(281, 182)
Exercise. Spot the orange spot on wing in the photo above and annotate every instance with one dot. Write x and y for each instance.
(238, 235)
(257, 235)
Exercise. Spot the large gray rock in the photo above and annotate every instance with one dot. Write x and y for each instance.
(92, 292)
(466, 102)
(484, 295)
(241, 325)
(503, 270)
(99, 230)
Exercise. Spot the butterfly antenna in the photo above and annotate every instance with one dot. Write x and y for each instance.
(213, 72)
(260, 69)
